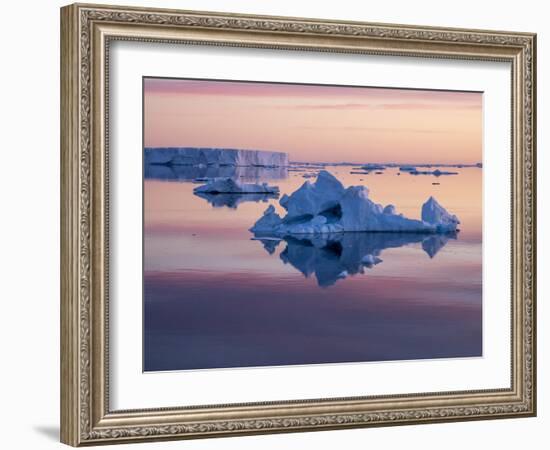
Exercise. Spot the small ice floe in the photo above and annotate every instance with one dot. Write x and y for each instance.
(231, 186)
(327, 207)
(407, 168)
(371, 166)
(436, 172)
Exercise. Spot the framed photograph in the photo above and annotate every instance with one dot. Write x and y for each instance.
(276, 224)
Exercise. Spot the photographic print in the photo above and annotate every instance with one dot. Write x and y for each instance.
(295, 224)
(307, 250)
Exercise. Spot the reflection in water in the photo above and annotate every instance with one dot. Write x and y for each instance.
(214, 298)
(234, 200)
(434, 243)
(333, 257)
(190, 173)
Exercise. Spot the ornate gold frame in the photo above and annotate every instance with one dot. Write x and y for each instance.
(86, 31)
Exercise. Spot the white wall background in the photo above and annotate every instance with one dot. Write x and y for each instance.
(29, 222)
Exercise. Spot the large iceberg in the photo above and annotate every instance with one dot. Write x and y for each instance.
(231, 186)
(327, 207)
(194, 156)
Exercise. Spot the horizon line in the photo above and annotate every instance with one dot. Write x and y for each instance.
(145, 147)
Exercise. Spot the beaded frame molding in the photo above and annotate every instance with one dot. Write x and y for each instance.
(86, 33)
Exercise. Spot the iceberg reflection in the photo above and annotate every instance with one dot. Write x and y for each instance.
(233, 200)
(432, 244)
(189, 173)
(333, 257)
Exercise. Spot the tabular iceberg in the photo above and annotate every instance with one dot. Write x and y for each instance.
(327, 207)
(231, 186)
(194, 156)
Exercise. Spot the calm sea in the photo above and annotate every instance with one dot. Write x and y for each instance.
(215, 297)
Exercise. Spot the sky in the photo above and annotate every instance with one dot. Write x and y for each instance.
(315, 122)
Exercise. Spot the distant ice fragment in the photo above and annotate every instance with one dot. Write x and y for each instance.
(407, 168)
(436, 172)
(327, 207)
(371, 166)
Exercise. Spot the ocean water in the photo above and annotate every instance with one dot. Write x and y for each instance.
(216, 297)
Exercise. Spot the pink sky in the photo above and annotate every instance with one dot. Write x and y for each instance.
(315, 123)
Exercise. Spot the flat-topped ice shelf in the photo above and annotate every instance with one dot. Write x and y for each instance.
(199, 156)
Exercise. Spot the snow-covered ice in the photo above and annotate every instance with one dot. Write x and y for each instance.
(231, 186)
(193, 156)
(434, 213)
(327, 207)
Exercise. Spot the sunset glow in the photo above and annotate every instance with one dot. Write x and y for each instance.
(315, 123)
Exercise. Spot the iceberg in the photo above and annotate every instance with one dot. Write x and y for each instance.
(334, 257)
(231, 186)
(433, 213)
(327, 207)
(195, 156)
